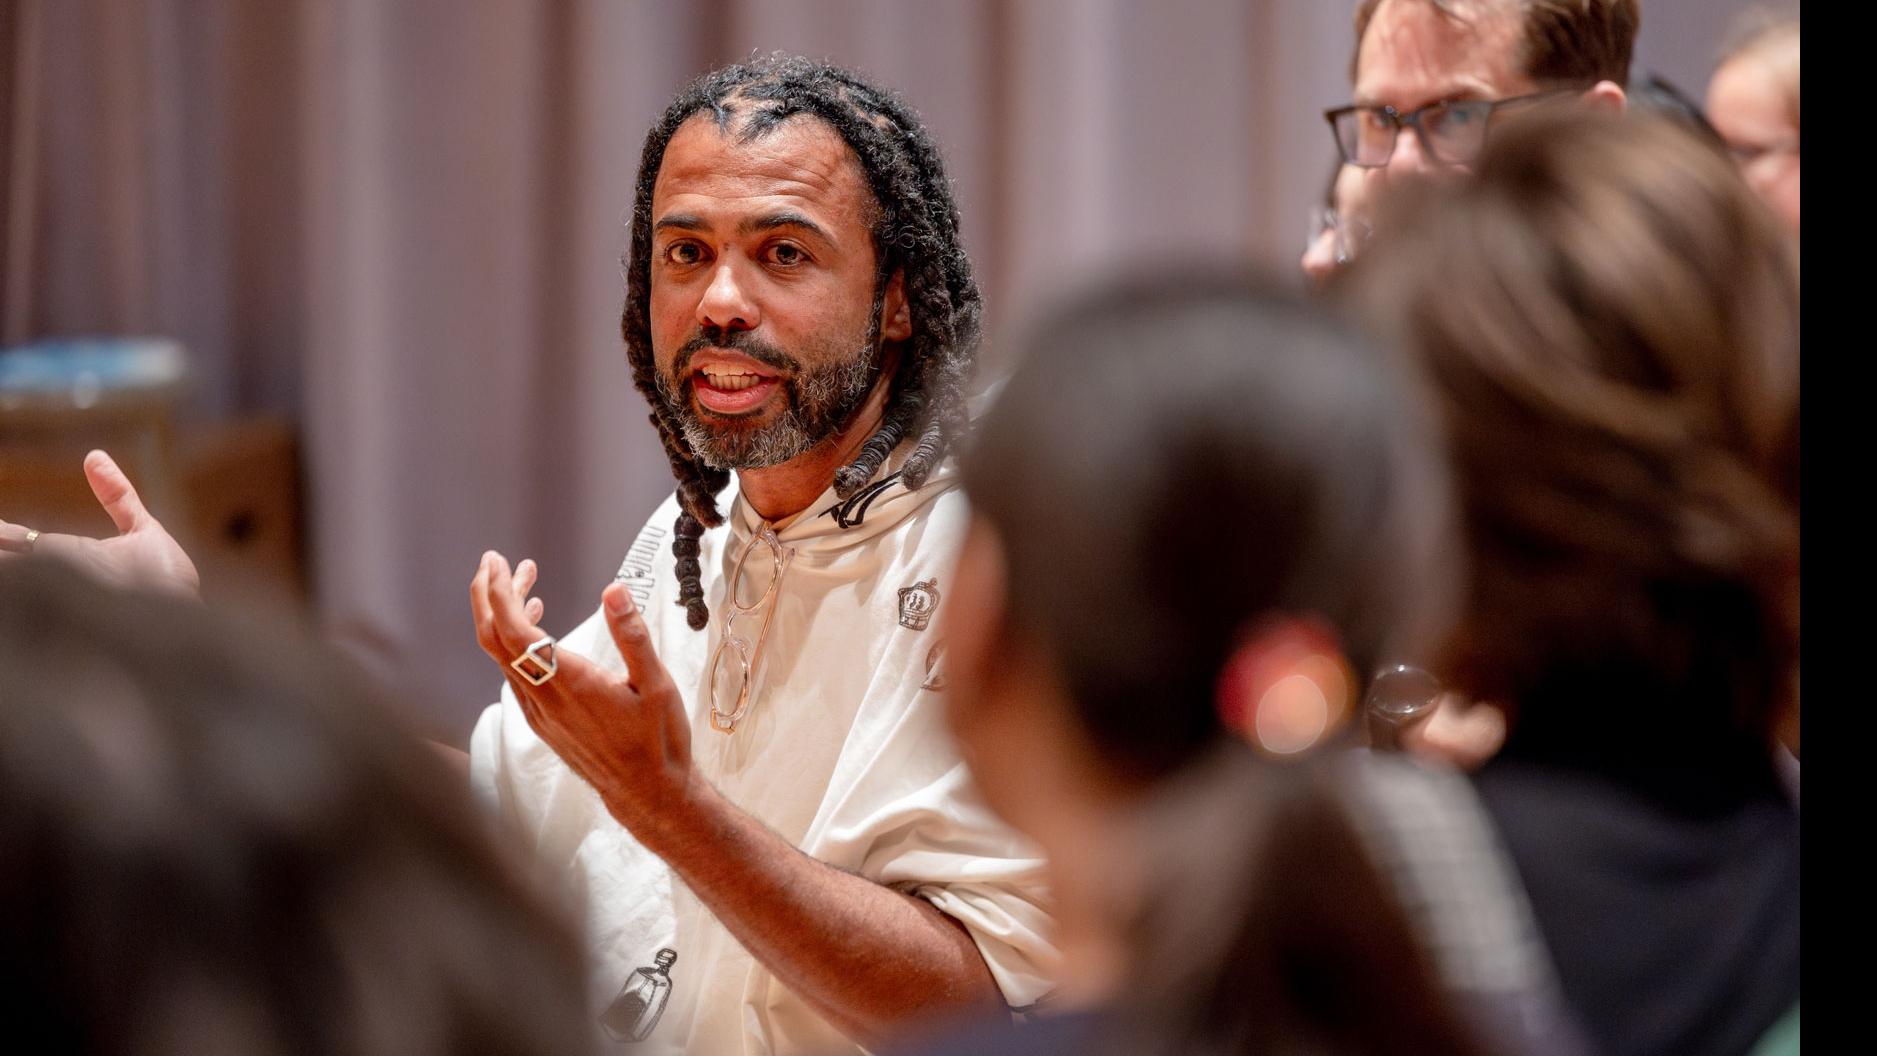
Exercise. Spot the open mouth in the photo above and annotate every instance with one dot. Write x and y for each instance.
(728, 389)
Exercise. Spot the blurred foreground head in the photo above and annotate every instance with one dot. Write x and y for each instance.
(1186, 476)
(1611, 323)
(217, 842)
(1203, 512)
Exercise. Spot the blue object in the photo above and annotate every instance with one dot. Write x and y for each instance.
(83, 369)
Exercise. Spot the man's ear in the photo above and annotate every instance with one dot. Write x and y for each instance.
(895, 315)
(1606, 96)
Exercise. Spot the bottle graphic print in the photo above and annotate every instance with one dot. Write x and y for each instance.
(634, 1013)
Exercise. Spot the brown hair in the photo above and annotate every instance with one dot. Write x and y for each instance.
(1612, 323)
(1213, 450)
(1268, 926)
(1564, 41)
(216, 840)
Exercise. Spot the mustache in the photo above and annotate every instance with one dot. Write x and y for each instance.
(743, 341)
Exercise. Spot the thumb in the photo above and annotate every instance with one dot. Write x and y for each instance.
(627, 626)
(114, 492)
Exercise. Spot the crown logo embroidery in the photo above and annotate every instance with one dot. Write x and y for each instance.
(917, 603)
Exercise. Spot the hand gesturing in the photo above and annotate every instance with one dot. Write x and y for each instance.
(626, 734)
(141, 554)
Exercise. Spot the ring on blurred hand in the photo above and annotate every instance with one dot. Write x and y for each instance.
(537, 663)
(32, 539)
(1401, 694)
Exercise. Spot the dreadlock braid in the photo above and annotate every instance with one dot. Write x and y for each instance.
(915, 234)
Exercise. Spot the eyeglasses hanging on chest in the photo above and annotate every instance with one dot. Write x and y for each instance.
(749, 607)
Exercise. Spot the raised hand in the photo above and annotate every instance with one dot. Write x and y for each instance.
(627, 735)
(142, 553)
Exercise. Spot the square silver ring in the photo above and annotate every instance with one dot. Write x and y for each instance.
(533, 665)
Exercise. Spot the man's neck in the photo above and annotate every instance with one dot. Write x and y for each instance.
(777, 493)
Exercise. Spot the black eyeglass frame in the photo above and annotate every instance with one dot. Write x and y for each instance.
(1486, 108)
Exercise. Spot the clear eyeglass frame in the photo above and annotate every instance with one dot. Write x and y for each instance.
(736, 665)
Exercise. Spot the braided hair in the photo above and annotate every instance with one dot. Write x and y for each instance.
(915, 231)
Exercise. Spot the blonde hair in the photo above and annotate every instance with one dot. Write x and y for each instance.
(1770, 38)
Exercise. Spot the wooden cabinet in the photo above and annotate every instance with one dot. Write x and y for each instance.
(230, 492)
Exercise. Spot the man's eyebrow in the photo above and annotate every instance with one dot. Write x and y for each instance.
(784, 219)
(1460, 94)
(681, 222)
(693, 222)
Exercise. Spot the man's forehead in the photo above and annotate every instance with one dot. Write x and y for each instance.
(1744, 99)
(1415, 52)
(802, 158)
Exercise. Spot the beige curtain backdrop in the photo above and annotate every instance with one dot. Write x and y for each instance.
(400, 223)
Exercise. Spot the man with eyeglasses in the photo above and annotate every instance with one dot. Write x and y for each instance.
(1431, 79)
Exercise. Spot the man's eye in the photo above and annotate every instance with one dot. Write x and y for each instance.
(684, 253)
(1452, 116)
(786, 254)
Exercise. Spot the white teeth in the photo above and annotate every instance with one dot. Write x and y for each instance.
(731, 382)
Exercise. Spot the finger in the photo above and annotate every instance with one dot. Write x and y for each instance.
(13, 539)
(483, 612)
(512, 626)
(1481, 733)
(525, 574)
(70, 547)
(645, 671)
(114, 492)
(536, 609)
(1465, 735)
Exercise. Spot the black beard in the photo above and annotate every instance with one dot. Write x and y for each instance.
(820, 400)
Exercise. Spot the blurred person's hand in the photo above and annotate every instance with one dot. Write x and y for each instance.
(1319, 258)
(1339, 230)
(627, 735)
(143, 553)
(1456, 732)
